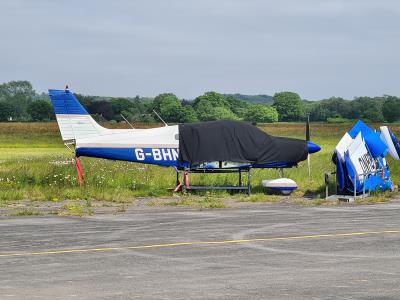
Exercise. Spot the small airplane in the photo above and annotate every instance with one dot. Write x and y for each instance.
(194, 146)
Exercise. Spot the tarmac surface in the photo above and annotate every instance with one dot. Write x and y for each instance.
(261, 252)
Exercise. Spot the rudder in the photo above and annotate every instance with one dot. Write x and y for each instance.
(73, 120)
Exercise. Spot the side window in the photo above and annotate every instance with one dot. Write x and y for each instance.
(177, 136)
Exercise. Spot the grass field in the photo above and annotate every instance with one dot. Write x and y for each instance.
(34, 165)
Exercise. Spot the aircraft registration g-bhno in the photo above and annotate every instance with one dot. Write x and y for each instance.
(204, 145)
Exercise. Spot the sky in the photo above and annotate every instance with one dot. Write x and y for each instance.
(317, 48)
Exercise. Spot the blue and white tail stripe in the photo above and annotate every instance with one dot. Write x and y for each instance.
(72, 118)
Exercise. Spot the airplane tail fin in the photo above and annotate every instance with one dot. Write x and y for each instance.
(72, 118)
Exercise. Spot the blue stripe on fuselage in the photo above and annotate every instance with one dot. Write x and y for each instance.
(167, 157)
(274, 165)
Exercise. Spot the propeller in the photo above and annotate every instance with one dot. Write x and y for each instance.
(308, 139)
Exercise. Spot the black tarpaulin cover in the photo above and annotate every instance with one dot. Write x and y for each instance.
(236, 142)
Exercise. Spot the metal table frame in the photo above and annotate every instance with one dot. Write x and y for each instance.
(240, 187)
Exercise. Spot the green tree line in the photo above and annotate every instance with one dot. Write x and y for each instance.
(19, 102)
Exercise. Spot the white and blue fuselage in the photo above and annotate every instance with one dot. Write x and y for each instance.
(157, 146)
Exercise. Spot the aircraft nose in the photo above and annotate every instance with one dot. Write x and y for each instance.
(312, 148)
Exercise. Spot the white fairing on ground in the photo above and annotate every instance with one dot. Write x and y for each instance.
(284, 185)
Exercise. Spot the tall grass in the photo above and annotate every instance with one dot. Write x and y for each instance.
(35, 165)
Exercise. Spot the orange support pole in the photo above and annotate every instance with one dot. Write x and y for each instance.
(79, 171)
